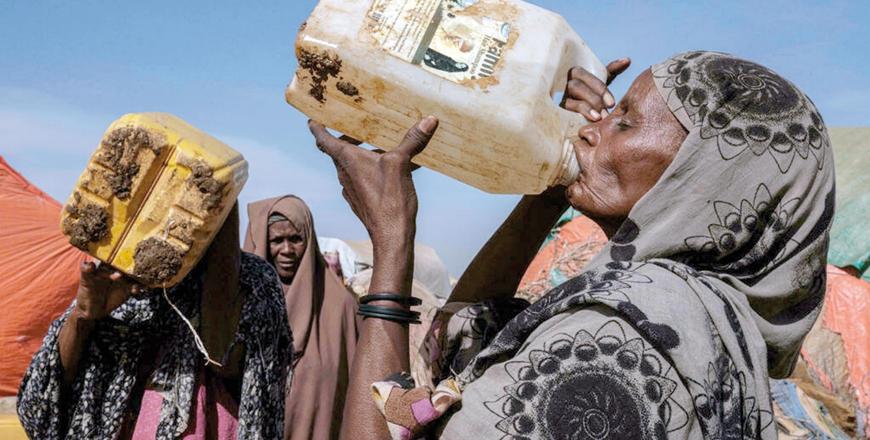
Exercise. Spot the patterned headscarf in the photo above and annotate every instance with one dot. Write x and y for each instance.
(322, 316)
(721, 265)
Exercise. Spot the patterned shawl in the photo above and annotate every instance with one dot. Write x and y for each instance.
(720, 268)
(97, 404)
(739, 221)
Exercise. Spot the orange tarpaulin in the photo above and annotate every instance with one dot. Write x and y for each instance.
(38, 272)
(563, 257)
(847, 313)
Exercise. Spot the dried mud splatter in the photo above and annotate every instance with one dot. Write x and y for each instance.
(119, 152)
(211, 189)
(347, 88)
(183, 231)
(85, 224)
(321, 67)
(156, 261)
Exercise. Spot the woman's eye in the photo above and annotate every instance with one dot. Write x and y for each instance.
(623, 124)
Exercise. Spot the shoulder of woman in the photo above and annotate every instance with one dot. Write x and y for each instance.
(254, 267)
(260, 279)
(339, 292)
(252, 261)
(350, 301)
(592, 361)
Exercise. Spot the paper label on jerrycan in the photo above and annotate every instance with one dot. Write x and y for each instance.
(440, 37)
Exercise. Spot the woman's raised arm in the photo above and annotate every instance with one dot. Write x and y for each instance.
(380, 191)
(101, 290)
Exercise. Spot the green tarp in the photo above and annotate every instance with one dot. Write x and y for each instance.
(850, 236)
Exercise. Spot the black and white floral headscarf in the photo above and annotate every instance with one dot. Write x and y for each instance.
(97, 405)
(721, 265)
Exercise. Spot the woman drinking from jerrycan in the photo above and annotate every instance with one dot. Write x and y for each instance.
(713, 180)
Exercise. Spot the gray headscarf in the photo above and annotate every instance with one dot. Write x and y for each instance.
(721, 265)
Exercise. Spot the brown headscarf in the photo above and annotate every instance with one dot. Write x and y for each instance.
(322, 315)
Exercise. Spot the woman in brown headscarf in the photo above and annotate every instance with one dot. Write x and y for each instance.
(321, 311)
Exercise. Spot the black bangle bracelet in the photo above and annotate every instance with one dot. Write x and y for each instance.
(403, 320)
(388, 311)
(391, 318)
(401, 299)
(396, 315)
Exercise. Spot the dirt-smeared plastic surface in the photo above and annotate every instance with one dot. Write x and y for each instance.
(486, 69)
(86, 223)
(175, 187)
(156, 261)
(119, 151)
(321, 66)
(211, 189)
(347, 88)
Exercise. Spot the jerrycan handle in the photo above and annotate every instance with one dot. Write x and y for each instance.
(575, 53)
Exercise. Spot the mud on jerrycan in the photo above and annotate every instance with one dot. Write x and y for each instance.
(153, 196)
(488, 69)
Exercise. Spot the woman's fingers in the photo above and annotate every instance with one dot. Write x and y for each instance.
(617, 67)
(582, 91)
(89, 276)
(326, 142)
(87, 267)
(414, 142)
(418, 137)
(584, 76)
(96, 271)
(414, 167)
(349, 139)
(587, 95)
(583, 108)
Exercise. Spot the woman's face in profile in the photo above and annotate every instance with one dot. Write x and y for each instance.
(286, 248)
(623, 155)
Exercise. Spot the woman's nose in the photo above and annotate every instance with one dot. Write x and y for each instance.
(591, 134)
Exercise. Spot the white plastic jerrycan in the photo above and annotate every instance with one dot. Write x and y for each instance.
(488, 69)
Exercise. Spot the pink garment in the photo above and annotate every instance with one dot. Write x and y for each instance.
(215, 412)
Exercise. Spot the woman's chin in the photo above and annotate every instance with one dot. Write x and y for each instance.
(286, 277)
(576, 196)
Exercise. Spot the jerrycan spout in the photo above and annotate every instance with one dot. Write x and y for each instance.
(569, 170)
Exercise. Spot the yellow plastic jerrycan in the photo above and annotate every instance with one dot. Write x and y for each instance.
(153, 196)
(488, 69)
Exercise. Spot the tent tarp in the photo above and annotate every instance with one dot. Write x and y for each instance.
(429, 269)
(38, 272)
(847, 313)
(562, 257)
(850, 235)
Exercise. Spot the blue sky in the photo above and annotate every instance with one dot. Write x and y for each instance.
(67, 69)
